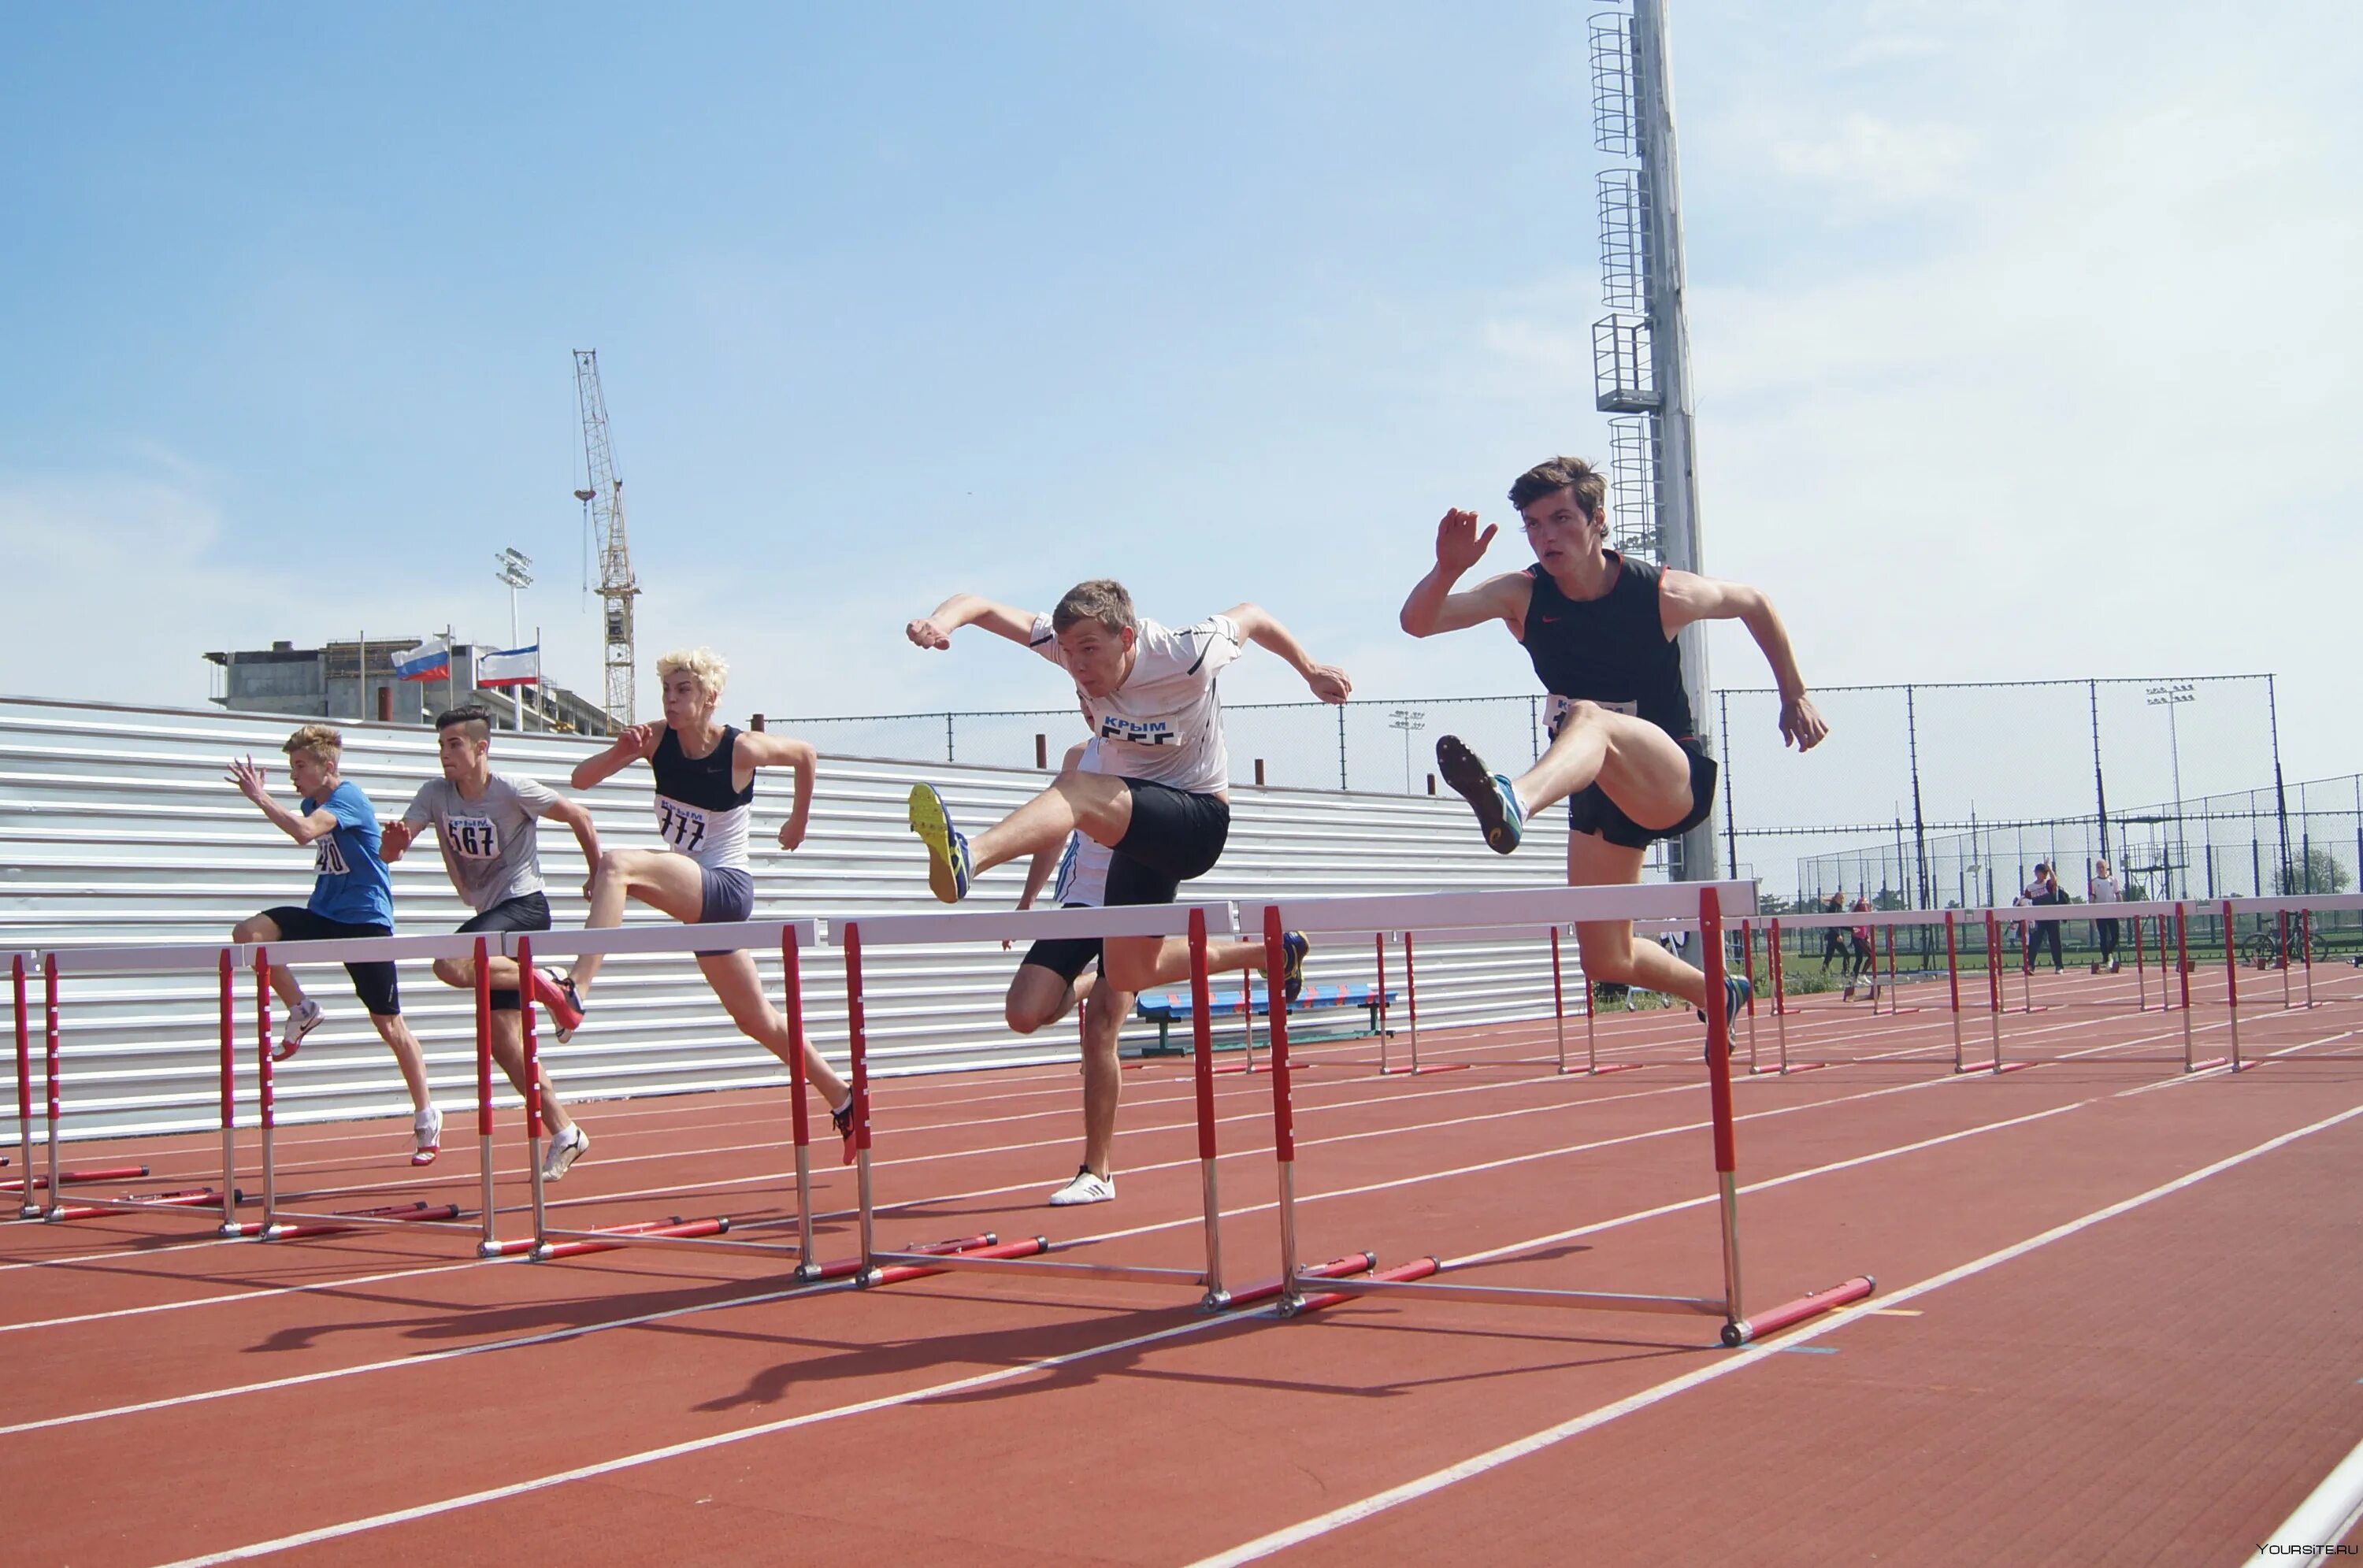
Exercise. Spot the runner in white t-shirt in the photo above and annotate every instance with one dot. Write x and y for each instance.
(1162, 803)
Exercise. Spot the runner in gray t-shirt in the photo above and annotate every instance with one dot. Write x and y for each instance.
(486, 824)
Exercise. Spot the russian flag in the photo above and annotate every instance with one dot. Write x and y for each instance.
(430, 660)
(510, 666)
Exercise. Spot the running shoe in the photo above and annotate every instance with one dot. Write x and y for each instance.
(1085, 1188)
(1294, 947)
(1736, 993)
(557, 996)
(564, 1150)
(947, 859)
(426, 1126)
(842, 1120)
(302, 1019)
(1489, 794)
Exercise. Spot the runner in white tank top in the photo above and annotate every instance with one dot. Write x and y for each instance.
(1163, 803)
(705, 785)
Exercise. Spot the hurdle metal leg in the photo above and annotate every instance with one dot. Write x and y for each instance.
(2232, 983)
(858, 1032)
(799, 1114)
(488, 1244)
(28, 1208)
(266, 1105)
(1953, 985)
(1558, 1000)
(528, 1017)
(1292, 1294)
(1202, 1043)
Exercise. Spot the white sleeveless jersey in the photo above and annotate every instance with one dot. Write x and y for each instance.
(1164, 724)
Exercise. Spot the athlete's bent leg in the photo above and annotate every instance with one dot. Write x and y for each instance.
(673, 883)
(1098, 803)
(265, 930)
(1636, 765)
(1139, 963)
(1040, 997)
(1607, 947)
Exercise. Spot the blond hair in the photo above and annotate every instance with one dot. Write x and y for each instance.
(318, 741)
(709, 668)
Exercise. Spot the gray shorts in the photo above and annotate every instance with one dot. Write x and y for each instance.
(730, 896)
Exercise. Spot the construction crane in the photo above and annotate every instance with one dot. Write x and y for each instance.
(603, 517)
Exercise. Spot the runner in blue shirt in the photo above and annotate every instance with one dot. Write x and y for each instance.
(351, 896)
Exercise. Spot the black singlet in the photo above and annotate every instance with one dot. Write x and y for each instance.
(1612, 650)
(704, 781)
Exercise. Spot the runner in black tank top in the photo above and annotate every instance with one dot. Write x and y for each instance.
(702, 874)
(1623, 752)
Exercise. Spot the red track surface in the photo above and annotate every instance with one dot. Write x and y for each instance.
(2159, 1383)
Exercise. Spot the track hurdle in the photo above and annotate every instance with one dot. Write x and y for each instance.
(1197, 924)
(218, 1208)
(1432, 911)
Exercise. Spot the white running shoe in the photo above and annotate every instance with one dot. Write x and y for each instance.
(427, 1128)
(564, 1150)
(302, 1019)
(1085, 1188)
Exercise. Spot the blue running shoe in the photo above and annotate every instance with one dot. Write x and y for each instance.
(1736, 993)
(948, 860)
(1294, 947)
(1489, 794)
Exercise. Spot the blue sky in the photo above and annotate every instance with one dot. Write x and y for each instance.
(2024, 336)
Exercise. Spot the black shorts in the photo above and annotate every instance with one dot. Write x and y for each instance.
(374, 983)
(1065, 956)
(1591, 810)
(1175, 835)
(527, 912)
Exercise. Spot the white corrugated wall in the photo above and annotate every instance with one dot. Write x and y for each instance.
(116, 826)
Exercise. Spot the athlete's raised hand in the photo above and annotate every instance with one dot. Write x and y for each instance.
(1458, 545)
(929, 632)
(641, 740)
(393, 840)
(1802, 724)
(1329, 683)
(251, 779)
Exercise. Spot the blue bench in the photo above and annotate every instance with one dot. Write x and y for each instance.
(1165, 1009)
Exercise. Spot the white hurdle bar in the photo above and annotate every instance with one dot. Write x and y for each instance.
(1196, 924)
(55, 963)
(1444, 911)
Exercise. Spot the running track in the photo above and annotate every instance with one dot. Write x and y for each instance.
(2117, 1318)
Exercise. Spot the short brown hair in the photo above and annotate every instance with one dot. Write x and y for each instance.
(1102, 599)
(469, 714)
(319, 742)
(1562, 473)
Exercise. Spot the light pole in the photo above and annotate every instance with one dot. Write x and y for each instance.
(515, 571)
(2170, 698)
(1407, 720)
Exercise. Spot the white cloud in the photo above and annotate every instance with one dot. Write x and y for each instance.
(1865, 158)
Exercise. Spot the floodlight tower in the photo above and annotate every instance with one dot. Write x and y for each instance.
(1640, 351)
(603, 514)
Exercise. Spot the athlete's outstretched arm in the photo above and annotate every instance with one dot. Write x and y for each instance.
(1432, 607)
(1684, 597)
(758, 748)
(251, 780)
(1261, 628)
(935, 630)
(629, 746)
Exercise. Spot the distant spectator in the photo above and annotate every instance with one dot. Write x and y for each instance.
(2042, 933)
(2103, 889)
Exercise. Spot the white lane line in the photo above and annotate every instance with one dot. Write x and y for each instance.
(2322, 1521)
(1493, 1459)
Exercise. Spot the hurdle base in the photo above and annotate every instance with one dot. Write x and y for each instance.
(1264, 1290)
(1741, 1331)
(1296, 1304)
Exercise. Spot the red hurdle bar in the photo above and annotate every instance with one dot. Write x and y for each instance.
(1558, 1000)
(2141, 983)
(2283, 915)
(488, 1244)
(49, 1060)
(1379, 941)
(2182, 976)
(1894, 1007)
(1953, 985)
(1284, 1115)
(2232, 983)
(226, 1016)
(857, 1036)
(1202, 1045)
(1780, 997)
(27, 1208)
(1748, 967)
(1410, 1000)
(83, 1174)
(528, 1026)
(1993, 984)
(2305, 946)
(266, 1108)
(799, 1115)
